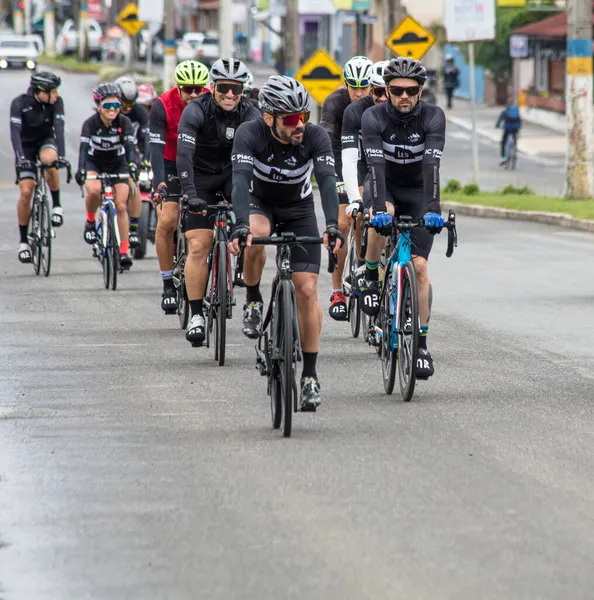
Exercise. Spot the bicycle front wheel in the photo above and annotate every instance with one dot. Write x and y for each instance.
(112, 249)
(183, 307)
(220, 305)
(103, 244)
(388, 355)
(45, 243)
(286, 344)
(408, 333)
(36, 218)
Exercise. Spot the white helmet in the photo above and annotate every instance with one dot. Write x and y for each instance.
(249, 84)
(128, 87)
(377, 73)
(357, 71)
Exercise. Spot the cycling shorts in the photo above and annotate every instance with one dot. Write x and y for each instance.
(207, 186)
(300, 219)
(116, 168)
(31, 153)
(172, 181)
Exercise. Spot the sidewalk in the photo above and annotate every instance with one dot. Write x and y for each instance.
(534, 140)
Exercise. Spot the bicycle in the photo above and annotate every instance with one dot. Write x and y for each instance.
(107, 247)
(147, 226)
(511, 152)
(279, 351)
(397, 325)
(180, 254)
(41, 231)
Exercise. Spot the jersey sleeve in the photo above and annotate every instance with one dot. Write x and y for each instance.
(158, 131)
(330, 122)
(434, 144)
(16, 125)
(129, 140)
(85, 142)
(188, 132)
(350, 152)
(143, 131)
(324, 170)
(242, 161)
(373, 148)
(59, 125)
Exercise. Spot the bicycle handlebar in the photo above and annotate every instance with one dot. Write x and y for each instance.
(107, 176)
(57, 164)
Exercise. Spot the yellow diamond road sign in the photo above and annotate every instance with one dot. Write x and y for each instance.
(410, 39)
(320, 74)
(128, 20)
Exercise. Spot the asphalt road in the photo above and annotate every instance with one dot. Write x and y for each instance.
(132, 467)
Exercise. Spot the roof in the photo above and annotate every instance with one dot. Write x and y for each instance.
(551, 27)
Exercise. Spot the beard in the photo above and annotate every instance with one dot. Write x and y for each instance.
(407, 108)
(288, 137)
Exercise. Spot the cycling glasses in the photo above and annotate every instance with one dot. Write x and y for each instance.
(110, 105)
(225, 88)
(192, 89)
(411, 91)
(357, 84)
(293, 120)
(378, 92)
(127, 104)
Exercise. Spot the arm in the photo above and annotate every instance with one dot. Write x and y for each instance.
(191, 122)
(129, 140)
(59, 126)
(158, 128)
(500, 119)
(350, 154)
(323, 161)
(143, 132)
(242, 160)
(373, 147)
(85, 142)
(434, 143)
(329, 122)
(15, 126)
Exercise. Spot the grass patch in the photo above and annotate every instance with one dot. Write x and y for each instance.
(582, 209)
(69, 64)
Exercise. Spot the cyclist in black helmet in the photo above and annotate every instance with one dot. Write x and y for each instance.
(37, 131)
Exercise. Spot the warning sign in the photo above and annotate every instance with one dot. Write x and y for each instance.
(128, 20)
(410, 39)
(320, 74)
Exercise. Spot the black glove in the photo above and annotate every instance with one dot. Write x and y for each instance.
(196, 205)
(133, 170)
(162, 191)
(23, 164)
(146, 163)
(80, 177)
(240, 233)
(334, 233)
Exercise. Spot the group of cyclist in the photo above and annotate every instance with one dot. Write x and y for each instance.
(377, 147)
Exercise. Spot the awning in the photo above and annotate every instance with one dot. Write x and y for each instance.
(551, 27)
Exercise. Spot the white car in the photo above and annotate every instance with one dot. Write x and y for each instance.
(67, 38)
(187, 47)
(17, 52)
(158, 48)
(208, 50)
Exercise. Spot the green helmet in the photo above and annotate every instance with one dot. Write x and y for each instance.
(191, 72)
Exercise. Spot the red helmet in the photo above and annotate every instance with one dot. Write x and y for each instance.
(146, 95)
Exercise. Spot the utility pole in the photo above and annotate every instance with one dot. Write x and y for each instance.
(292, 42)
(83, 46)
(169, 66)
(27, 8)
(578, 175)
(226, 28)
(49, 29)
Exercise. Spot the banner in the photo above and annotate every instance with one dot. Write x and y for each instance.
(469, 20)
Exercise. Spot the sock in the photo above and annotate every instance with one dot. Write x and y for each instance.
(134, 223)
(309, 364)
(167, 277)
(56, 198)
(371, 273)
(23, 231)
(90, 217)
(252, 293)
(333, 291)
(423, 337)
(124, 247)
(196, 306)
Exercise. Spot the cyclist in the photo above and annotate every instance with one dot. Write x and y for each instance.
(403, 141)
(146, 98)
(37, 130)
(107, 146)
(273, 159)
(512, 123)
(140, 126)
(250, 92)
(357, 74)
(205, 140)
(191, 78)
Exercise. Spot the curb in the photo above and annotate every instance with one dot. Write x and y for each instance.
(544, 218)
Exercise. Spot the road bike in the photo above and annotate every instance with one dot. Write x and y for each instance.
(511, 152)
(147, 225)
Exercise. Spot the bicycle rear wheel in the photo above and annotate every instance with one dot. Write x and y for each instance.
(408, 333)
(387, 355)
(45, 242)
(113, 250)
(220, 304)
(36, 217)
(287, 355)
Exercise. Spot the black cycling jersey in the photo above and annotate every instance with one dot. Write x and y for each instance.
(205, 138)
(331, 120)
(33, 122)
(280, 174)
(106, 147)
(404, 149)
(140, 128)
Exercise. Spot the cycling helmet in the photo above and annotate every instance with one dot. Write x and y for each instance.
(146, 95)
(44, 81)
(377, 73)
(191, 72)
(128, 87)
(408, 68)
(106, 90)
(249, 84)
(282, 94)
(229, 69)
(357, 71)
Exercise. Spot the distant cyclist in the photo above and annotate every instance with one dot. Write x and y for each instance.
(37, 131)
(191, 78)
(357, 77)
(147, 95)
(512, 123)
(250, 92)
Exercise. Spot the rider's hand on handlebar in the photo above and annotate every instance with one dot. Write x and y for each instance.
(382, 222)
(80, 177)
(333, 239)
(241, 236)
(197, 205)
(160, 193)
(433, 222)
(354, 207)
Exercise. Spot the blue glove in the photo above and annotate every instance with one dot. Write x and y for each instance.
(382, 222)
(433, 222)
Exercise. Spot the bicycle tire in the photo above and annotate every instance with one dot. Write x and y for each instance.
(387, 355)
(113, 249)
(105, 255)
(143, 230)
(408, 335)
(274, 381)
(46, 237)
(183, 306)
(354, 316)
(36, 235)
(220, 306)
(286, 354)
(364, 322)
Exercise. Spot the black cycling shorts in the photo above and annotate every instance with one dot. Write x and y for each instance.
(300, 219)
(118, 168)
(31, 153)
(207, 186)
(172, 181)
(407, 201)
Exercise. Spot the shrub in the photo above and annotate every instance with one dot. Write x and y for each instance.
(471, 189)
(452, 186)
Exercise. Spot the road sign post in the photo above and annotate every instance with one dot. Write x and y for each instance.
(410, 39)
(320, 74)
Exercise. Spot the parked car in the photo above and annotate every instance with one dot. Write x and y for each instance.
(158, 50)
(17, 52)
(187, 47)
(67, 39)
(208, 50)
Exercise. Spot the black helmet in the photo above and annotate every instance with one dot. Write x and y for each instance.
(106, 90)
(282, 94)
(44, 81)
(408, 68)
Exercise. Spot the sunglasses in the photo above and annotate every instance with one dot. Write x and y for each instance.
(127, 104)
(411, 91)
(192, 89)
(378, 92)
(358, 84)
(225, 88)
(293, 120)
(110, 105)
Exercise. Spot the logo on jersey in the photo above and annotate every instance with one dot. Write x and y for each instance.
(292, 161)
(348, 139)
(184, 137)
(433, 152)
(230, 133)
(270, 158)
(414, 138)
(374, 153)
(245, 159)
(329, 160)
